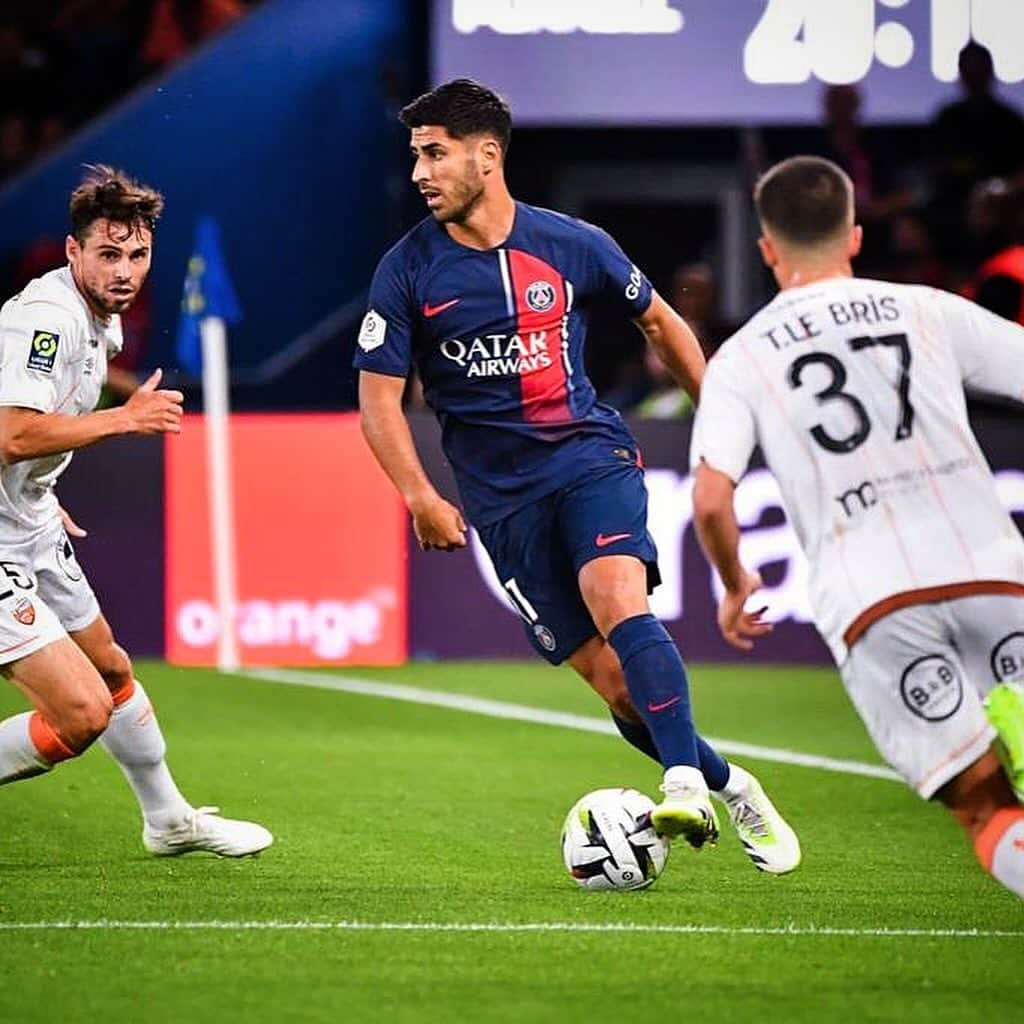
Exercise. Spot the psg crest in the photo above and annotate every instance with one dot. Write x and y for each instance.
(540, 296)
(545, 637)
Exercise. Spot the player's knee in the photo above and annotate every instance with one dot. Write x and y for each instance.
(114, 665)
(84, 721)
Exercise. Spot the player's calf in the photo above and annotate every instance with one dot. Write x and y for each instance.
(981, 799)
(31, 745)
(73, 709)
(1000, 847)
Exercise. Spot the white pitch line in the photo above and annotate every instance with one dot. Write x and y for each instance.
(542, 716)
(810, 931)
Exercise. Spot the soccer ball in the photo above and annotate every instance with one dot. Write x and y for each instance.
(608, 841)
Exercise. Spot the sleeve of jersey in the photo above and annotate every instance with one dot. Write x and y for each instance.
(724, 430)
(34, 354)
(618, 277)
(384, 344)
(988, 348)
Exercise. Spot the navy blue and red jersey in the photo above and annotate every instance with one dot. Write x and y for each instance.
(497, 337)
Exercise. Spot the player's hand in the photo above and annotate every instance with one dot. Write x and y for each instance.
(740, 627)
(439, 525)
(153, 411)
(71, 528)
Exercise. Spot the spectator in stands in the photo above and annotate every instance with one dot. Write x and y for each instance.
(664, 398)
(877, 195)
(693, 293)
(175, 26)
(912, 253)
(996, 218)
(972, 139)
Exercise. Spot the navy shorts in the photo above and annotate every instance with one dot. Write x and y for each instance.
(539, 550)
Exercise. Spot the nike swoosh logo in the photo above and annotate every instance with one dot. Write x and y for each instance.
(429, 310)
(664, 705)
(602, 541)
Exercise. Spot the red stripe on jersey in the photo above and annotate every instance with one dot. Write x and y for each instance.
(539, 295)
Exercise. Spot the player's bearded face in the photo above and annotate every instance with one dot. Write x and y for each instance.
(110, 264)
(461, 196)
(447, 174)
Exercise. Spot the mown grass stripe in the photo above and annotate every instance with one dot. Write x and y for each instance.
(543, 716)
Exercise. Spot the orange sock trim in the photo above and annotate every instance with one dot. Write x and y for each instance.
(123, 694)
(47, 741)
(987, 839)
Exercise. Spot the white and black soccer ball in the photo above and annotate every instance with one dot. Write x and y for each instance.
(608, 841)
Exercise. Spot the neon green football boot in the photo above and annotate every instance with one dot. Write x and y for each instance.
(1005, 709)
(686, 808)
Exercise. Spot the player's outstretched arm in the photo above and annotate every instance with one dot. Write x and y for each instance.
(718, 531)
(30, 434)
(437, 523)
(677, 346)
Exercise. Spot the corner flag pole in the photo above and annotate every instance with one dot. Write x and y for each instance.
(220, 492)
(208, 304)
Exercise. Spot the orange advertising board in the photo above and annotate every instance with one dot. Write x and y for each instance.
(320, 545)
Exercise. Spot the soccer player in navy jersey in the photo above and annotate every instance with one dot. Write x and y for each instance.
(490, 298)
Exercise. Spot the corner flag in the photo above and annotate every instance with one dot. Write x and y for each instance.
(208, 304)
(208, 292)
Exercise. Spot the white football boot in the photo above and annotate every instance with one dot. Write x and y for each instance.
(203, 829)
(766, 836)
(686, 809)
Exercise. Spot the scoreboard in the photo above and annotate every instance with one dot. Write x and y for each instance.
(721, 61)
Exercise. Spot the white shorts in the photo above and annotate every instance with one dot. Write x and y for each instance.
(918, 677)
(44, 594)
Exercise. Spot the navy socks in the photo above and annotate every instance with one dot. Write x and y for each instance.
(713, 766)
(658, 687)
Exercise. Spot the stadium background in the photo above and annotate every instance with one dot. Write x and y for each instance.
(304, 167)
(416, 873)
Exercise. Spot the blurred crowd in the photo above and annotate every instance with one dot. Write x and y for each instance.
(942, 204)
(62, 62)
(951, 218)
(60, 65)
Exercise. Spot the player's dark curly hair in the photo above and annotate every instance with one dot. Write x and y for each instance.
(805, 200)
(462, 107)
(109, 194)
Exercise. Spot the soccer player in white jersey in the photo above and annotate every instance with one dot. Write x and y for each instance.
(854, 389)
(55, 645)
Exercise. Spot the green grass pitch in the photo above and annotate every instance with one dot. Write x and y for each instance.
(396, 813)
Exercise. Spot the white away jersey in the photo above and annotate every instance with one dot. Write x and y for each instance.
(53, 358)
(854, 390)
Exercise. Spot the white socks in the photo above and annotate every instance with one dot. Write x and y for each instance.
(19, 758)
(737, 784)
(682, 776)
(135, 741)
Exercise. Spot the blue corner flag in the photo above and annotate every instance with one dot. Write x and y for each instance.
(208, 292)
